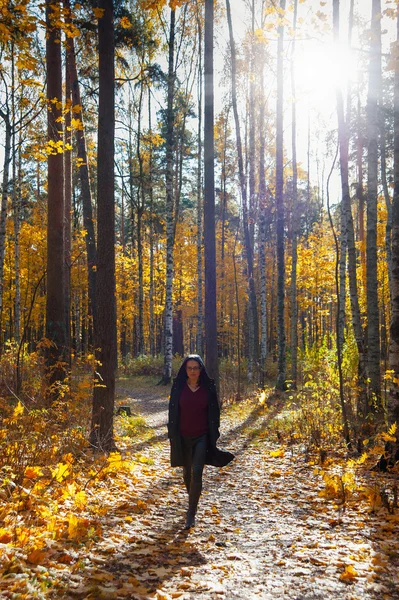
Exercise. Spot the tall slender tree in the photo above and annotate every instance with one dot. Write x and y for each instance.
(102, 437)
(55, 298)
(373, 321)
(84, 178)
(347, 235)
(261, 51)
(200, 212)
(281, 375)
(168, 328)
(68, 191)
(253, 311)
(393, 398)
(6, 116)
(211, 341)
(295, 214)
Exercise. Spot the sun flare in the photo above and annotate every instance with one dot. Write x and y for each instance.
(321, 67)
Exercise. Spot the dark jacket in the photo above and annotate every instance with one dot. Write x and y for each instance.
(214, 456)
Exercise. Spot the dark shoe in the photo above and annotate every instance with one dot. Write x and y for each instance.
(190, 520)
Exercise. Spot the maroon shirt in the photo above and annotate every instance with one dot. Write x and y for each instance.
(193, 411)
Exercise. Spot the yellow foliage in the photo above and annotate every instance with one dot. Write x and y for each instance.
(18, 410)
(81, 499)
(125, 23)
(77, 527)
(349, 574)
(61, 471)
(33, 472)
(277, 453)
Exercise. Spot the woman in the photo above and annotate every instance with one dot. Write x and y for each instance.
(193, 428)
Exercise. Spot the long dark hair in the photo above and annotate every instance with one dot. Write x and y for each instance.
(181, 376)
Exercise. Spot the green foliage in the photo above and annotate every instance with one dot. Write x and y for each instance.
(313, 414)
(134, 426)
(145, 364)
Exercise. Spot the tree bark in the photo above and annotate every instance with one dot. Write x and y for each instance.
(373, 322)
(102, 437)
(68, 191)
(140, 210)
(200, 215)
(360, 192)
(151, 240)
(348, 236)
(211, 339)
(253, 311)
(393, 398)
(168, 330)
(262, 217)
(295, 218)
(281, 375)
(55, 298)
(84, 176)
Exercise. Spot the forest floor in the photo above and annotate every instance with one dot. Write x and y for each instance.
(267, 525)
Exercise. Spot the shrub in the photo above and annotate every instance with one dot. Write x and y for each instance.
(145, 364)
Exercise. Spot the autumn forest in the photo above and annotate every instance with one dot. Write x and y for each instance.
(214, 177)
(161, 196)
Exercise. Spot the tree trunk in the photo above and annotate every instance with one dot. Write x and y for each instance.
(140, 209)
(102, 437)
(68, 193)
(348, 236)
(168, 331)
(281, 375)
(295, 219)
(360, 192)
(373, 325)
(251, 129)
(211, 340)
(387, 197)
(151, 240)
(17, 255)
(253, 311)
(5, 115)
(87, 204)
(200, 215)
(393, 398)
(16, 191)
(55, 298)
(262, 218)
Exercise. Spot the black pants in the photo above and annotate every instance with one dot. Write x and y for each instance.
(194, 453)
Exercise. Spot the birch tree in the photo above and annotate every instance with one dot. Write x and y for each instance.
(211, 340)
(168, 349)
(373, 325)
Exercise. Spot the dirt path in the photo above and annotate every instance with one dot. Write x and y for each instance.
(265, 528)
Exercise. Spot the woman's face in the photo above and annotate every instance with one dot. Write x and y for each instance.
(193, 370)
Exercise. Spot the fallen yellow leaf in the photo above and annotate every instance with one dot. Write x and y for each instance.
(349, 574)
(277, 453)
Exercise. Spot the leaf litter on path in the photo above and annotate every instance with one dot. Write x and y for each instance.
(265, 529)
